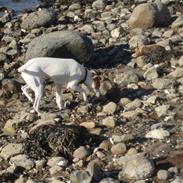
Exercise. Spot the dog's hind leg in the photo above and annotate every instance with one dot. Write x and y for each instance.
(38, 91)
(24, 91)
(75, 86)
(58, 96)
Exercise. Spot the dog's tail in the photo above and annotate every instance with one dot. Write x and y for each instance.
(23, 67)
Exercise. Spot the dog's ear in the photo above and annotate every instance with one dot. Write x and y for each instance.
(93, 73)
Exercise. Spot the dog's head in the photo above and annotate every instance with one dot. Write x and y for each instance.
(96, 84)
(93, 82)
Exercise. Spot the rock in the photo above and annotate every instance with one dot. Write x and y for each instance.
(109, 180)
(140, 181)
(88, 124)
(177, 179)
(118, 149)
(20, 180)
(132, 151)
(178, 23)
(115, 33)
(55, 170)
(83, 109)
(158, 149)
(161, 83)
(181, 61)
(57, 161)
(105, 145)
(162, 110)
(130, 114)
(177, 73)
(122, 138)
(23, 161)
(98, 25)
(98, 4)
(151, 73)
(8, 128)
(109, 121)
(37, 19)
(138, 41)
(153, 14)
(163, 174)
(125, 78)
(11, 150)
(61, 44)
(152, 99)
(124, 101)
(158, 134)
(87, 28)
(110, 108)
(81, 153)
(133, 105)
(80, 176)
(31, 181)
(136, 167)
(95, 171)
(74, 6)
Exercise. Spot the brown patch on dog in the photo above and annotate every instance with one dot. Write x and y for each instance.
(148, 49)
(96, 82)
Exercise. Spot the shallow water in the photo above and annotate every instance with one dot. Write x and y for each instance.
(18, 5)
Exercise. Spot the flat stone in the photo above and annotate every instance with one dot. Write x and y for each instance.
(161, 83)
(118, 149)
(81, 153)
(59, 161)
(177, 73)
(130, 114)
(55, 170)
(162, 110)
(109, 121)
(158, 134)
(110, 108)
(88, 124)
(11, 150)
(163, 174)
(23, 161)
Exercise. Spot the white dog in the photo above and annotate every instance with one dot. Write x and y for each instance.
(61, 71)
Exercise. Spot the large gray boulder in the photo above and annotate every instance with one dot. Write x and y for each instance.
(61, 44)
(38, 19)
(148, 15)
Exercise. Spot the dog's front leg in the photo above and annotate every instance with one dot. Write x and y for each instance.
(58, 96)
(24, 91)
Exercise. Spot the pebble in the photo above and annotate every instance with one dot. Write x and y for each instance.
(22, 161)
(163, 175)
(60, 161)
(110, 108)
(118, 149)
(109, 122)
(11, 150)
(81, 153)
(158, 134)
(88, 124)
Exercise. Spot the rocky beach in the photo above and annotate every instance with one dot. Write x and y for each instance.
(133, 132)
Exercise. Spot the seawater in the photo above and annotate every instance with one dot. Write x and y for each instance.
(18, 5)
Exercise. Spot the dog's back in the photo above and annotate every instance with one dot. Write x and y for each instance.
(59, 69)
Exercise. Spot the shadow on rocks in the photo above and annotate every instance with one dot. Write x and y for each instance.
(110, 56)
